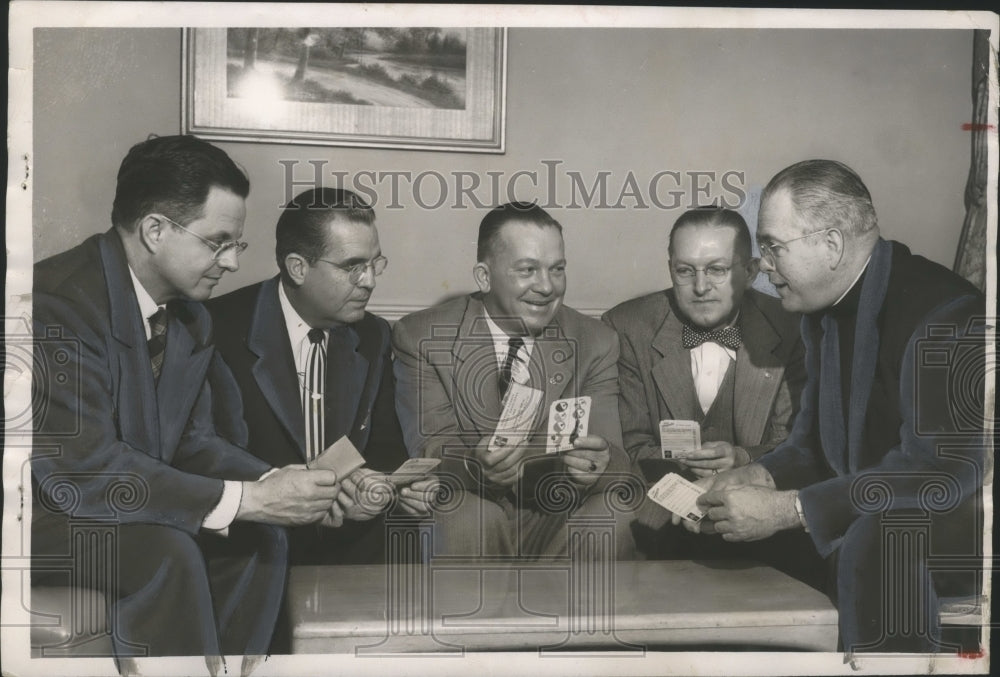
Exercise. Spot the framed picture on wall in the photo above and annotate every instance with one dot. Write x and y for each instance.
(429, 88)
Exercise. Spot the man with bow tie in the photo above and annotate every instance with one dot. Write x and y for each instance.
(710, 350)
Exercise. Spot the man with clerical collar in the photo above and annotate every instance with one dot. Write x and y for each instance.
(888, 448)
(460, 362)
(711, 350)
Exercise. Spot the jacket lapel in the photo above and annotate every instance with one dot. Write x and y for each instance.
(866, 346)
(274, 369)
(347, 371)
(758, 374)
(672, 373)
(476, 390)
(135, 371)
(184, 367)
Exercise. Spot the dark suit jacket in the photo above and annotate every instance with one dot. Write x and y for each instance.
(257, 402)
(912, 415)
(447, 394)
(105, 426)
(655, 372)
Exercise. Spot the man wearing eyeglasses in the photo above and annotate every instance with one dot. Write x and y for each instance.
(124, 424)
(711, 350)
(888, 450)
(311, 366)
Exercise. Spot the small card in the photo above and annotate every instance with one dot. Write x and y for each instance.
(568, 420)
(341, 457)
(679, 438)
(412, 470)
(678, 495)
(519, 408)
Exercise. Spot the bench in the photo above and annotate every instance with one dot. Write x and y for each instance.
(463, 605)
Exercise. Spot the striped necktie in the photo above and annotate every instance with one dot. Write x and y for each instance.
(157, 342)
(312, 393)
(506, 370)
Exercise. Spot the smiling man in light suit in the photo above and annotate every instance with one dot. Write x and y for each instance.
(710, 350)
(455, 363)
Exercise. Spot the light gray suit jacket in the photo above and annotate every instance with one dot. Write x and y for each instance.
(655, 372)
(446, 380)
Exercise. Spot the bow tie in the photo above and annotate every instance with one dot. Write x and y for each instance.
(728, 338)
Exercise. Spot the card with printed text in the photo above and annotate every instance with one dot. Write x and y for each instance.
(341, 457)
(516, 421)
(413, 469)
(678, 495)
(679, 438)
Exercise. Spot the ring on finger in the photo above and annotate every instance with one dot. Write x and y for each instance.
(715, 471)
(593, 467)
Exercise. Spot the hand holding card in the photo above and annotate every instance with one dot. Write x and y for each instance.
(569, 420)
(679, 438)
(679, 496)
(413, 470)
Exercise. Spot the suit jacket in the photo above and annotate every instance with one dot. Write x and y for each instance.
(250, 334)
(655, 372)
(110, 440)
(912, 434)
(447, 394)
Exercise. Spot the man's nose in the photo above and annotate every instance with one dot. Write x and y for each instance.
(701, 282)
(229, 261)
(543, 283)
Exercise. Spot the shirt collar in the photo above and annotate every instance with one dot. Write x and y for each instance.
(298, 329)
(147, 306)
(500, 337)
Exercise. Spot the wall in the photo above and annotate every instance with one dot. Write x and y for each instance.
(890, 103)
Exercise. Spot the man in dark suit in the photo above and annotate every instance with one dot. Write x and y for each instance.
(710, 350)
(456, 363)
(888, 450)
(329, 255)
(128, 471)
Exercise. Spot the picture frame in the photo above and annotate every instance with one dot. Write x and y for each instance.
(420, 88)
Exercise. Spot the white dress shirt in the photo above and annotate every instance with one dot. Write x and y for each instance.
(224, 512)
(298, 335)
(709, 364)
(519, 369)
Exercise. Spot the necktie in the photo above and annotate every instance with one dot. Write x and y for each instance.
(513, 345)
(728, 337)
(312, 393)
(157, 342)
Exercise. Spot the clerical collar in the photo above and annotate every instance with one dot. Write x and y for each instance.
(849, 300)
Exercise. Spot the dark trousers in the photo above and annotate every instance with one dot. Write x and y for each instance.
(891, 570)
(170, 593)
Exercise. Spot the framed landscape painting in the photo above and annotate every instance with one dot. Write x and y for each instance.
(430, 88)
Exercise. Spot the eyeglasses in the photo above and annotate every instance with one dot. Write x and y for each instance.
(219, 249)
(769, 250)
(357, 271)
(685, 275)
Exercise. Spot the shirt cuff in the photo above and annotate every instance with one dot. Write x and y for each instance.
(224, 512)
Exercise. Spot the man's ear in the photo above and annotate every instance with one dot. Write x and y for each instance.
(151, 232)
(834, 241)
(297, 268)
(481, 273)
(752, 268)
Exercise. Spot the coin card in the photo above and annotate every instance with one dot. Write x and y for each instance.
(679, 438)
(568, 420)
(678, 495)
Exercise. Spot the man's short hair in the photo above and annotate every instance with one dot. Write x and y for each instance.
(172, 175)
(828, 193)
(716, 217)
(302, 225)
(498, 217)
